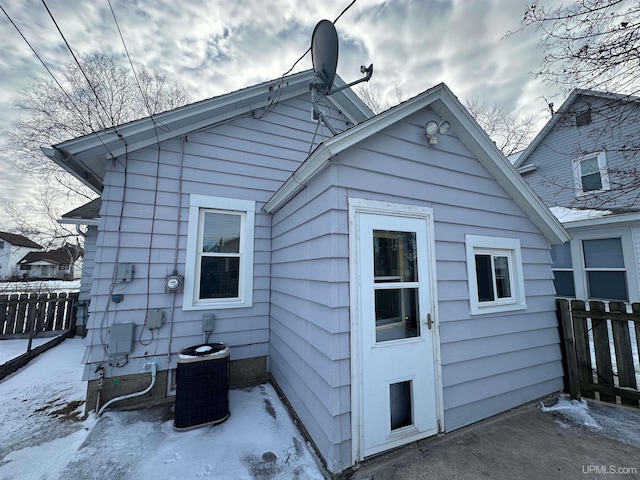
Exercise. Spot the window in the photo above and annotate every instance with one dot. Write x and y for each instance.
(63, 266)
(494, 268)
(590, 173)
(583, 118)
(219, 268)
(604, 269)
(25, 267)
(562, 266)
(1, 244)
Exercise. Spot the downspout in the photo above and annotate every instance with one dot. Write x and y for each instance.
(132, 395)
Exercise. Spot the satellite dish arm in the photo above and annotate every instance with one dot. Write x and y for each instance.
(368, 71)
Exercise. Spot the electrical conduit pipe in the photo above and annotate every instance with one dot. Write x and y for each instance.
(135, 394)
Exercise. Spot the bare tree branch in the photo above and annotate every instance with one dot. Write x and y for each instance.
(49, 116)
(510, 133)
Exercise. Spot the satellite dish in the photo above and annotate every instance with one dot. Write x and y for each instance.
(324, 54)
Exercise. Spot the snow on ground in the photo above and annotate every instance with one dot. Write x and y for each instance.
(612, 421)
(57, 286)
(43, 436)
(14, 348)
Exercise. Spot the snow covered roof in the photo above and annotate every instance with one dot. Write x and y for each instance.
(575, 217)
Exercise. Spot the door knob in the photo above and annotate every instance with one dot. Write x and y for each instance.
(429, 321)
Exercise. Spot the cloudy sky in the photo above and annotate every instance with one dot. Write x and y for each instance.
(216, 46)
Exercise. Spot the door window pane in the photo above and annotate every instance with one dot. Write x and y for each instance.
(394, 256)
(400, 403)
(396, 314)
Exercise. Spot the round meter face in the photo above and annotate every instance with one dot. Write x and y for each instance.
(173, 283)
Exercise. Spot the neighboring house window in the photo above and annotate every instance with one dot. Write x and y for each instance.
(494, 267)
(590, 173)
(219, 269)
(25, 267)
(48, 270)
(605, 270)
(63, 266)
(1, 244)
(563, 270)
(583, 118)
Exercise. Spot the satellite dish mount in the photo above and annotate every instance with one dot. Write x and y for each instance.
(324, 55)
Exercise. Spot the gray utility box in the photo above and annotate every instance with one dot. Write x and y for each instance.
(121, 338)
(202, 386)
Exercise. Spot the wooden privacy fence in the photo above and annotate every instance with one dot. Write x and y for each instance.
(601, 350)
(22, 315)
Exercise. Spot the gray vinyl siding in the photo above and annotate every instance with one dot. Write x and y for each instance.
(614, 127)
(490, 362)
(145, 210)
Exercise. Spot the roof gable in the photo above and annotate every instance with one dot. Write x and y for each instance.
(87, 214)
(85, 157)
(19, 240)
(565, 108)
(442, 101)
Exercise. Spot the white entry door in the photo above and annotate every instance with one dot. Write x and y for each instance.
(398, 396)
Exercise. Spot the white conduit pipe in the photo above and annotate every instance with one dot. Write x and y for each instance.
(131, 395)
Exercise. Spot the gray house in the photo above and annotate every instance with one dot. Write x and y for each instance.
(584, 165)
(391, 284)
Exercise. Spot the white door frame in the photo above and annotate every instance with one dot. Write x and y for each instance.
(356, 207)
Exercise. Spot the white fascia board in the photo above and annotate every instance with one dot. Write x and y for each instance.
(602, 221)
(298, 84)
(93, 222)
(321, 155)
(65, 160)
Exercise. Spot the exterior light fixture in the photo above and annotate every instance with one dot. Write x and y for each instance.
(432, 127)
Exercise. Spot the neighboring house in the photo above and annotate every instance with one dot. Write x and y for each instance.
(584, 166)
(64, 263)
(12, 248)
(393, 286)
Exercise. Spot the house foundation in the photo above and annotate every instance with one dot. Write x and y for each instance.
(244, 372)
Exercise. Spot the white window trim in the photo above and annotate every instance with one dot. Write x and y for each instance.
(602, 168)
(511, 246)
(245, 208)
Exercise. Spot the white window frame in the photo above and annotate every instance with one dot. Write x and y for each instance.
(602, 168)
(509, 247)
(246, 210)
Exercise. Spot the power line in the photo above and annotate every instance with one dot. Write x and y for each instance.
(344, 11)
(126, 50)
(79, 65)
(274, 102)
(78, 115)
